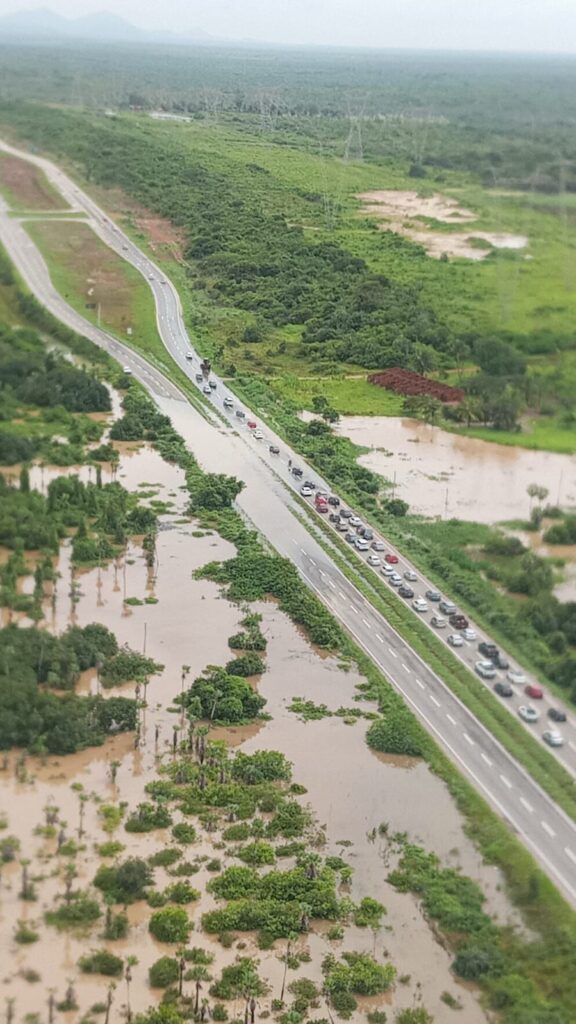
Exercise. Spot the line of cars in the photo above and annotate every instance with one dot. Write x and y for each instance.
(362, 538)
(491, 662)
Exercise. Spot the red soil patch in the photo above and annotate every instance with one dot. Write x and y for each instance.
(27, 186)
(406, 382)
(160, 233)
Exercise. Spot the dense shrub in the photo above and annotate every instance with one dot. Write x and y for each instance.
(101, 962)
(171, 924)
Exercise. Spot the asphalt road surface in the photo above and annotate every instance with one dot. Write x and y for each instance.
(267, 499)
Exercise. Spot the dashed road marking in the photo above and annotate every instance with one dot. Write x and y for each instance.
(405, 667)
(487, 760)
(354, 609)
(450, 719)
(380, 638)
(393, 653)
(547, 828)
(468, 739)
(343, 596)
(506, 782)
(434, 701)
(420, 684)
(525, 804)
(366, 623)
(570, 854)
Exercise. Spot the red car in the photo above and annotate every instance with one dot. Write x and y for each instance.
(391, 559)
(252, 424)
(536, 692)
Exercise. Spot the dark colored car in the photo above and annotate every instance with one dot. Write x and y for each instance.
(310, 483)
(488, 650)
(458, 621)
(334, 517)
(433, 595)
(199, 378)
(345, 513)
(503, 689)
(535, 692)
(366, 532)
(296, 471)
(501, 662)
(405, 591)
(350, 537)
(333, 500)
(557, 715)
(241, 415)
(274, 449)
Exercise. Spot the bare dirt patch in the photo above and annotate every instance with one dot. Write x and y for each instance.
(162, 236)
(26, 186)
(404, 213)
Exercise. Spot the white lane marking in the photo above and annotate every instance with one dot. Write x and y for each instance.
(393, 653)
(380, 638)
(487, 760)
(354, 609)
(343, 596)
(449, 717)
(312, 560)
(294, 541)
(506, 781)
(405, 667)
(322, 573)
(302, 550)
(571, 745)
(547, 828)
(569, 853)
(468, 739)
(421, 685)
(366, 623)
(331, 584)
(526, 805)
(434, 701)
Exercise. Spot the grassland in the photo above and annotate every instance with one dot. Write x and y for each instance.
(26, 187)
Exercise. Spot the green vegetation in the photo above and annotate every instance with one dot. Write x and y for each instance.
(31, 715)
(125, 882)
(101, 962)
(171, 924)
(164, 972)
(221, 697)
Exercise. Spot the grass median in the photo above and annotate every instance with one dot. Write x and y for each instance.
(541, 765)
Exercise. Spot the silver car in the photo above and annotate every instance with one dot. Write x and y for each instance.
(552, 738)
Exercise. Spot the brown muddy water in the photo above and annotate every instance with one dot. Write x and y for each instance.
(447, 475)
(351, 790)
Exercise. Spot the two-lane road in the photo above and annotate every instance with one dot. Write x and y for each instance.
(547, 832)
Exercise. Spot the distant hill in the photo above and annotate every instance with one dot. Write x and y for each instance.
(44, 25)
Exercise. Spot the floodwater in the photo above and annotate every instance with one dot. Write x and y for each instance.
(565, 588)
(351, 790)
(451, 476)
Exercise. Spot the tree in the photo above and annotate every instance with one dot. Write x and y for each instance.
(215, 491)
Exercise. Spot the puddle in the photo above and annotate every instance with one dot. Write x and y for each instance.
(451, 476)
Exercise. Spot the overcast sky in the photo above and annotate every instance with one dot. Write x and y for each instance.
(521, 25)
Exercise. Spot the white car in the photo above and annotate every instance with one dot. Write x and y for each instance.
(528, 713)
(396, 579)
(207, 389)
(420, 605)
(127, 371)
(355, 521)
(189, 355)
(388, 570)
(378, 545)
(552, 738)
(374, 560)
(516, 677)
(485, 669)
(438, 621)
(411, 576)
(361, 544)
(150, 277)
(258, 435)
(306, 492)
(469, 634)
(228, 403)
(455, 640)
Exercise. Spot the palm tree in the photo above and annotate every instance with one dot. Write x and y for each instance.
(131, 962)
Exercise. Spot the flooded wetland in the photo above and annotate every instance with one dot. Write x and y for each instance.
(358, 799)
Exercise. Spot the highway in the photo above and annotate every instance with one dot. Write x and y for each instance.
(232, 447)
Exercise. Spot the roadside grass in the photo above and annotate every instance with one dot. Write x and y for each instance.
(347, 395)
(539, 434)
(538, 763)
(26, 187)
(124, 296)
